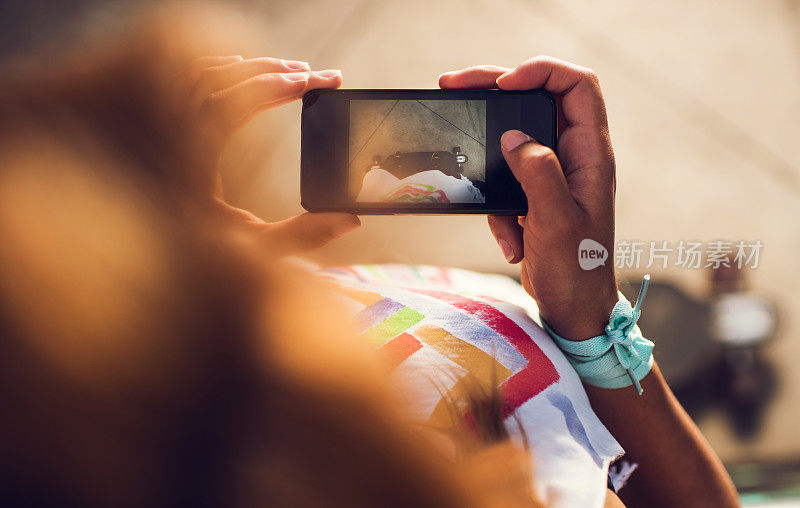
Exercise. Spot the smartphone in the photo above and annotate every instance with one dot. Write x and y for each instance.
(417, 151)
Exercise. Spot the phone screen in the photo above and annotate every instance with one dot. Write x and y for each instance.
(416, 151)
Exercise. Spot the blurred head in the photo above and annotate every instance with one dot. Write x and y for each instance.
(147, 354)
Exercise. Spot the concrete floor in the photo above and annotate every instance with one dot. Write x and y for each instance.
(381, 127)
(703, 100)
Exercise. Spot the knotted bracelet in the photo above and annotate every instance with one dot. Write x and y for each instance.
(618, 358)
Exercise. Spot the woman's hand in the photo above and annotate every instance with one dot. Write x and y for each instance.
(224, 93)
(570, 196)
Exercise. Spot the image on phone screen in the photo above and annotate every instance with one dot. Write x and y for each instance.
(417, 151)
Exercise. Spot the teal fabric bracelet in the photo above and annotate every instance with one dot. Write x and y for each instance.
(619, 358)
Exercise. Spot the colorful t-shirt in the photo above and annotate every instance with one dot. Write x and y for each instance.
(430, 186)
(439, 324)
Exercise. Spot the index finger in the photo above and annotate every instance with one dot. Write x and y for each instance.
(479, 76)
(235, 106)
(191, 72)
(582, 101)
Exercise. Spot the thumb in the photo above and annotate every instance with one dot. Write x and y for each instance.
(538, 170)
(306, 232)
(508, 233)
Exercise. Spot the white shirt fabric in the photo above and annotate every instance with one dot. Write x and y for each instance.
(441, 323)
(426, 186)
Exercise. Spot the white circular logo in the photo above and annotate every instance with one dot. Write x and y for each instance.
(591, 254)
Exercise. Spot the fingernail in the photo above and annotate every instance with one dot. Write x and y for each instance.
(512, 139)
(296, 65)
(330, 73)
(508, 252)
(501, 77)
(296, 76)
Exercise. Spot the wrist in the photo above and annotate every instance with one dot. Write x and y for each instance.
(581, 318)
(619, 356)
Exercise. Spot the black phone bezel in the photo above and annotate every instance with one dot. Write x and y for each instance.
(317, 148)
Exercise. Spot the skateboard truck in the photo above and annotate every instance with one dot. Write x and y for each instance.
(404, 164)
